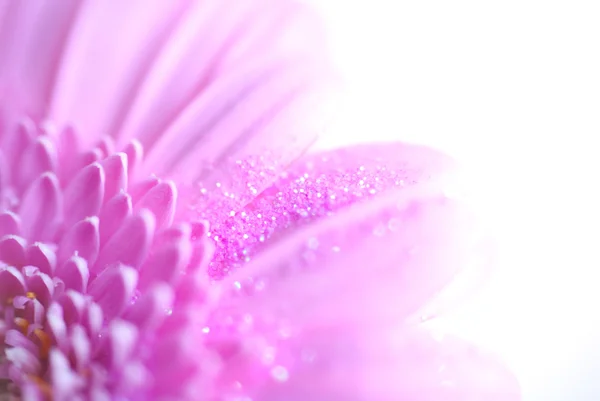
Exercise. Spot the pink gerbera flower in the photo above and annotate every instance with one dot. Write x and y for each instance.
(156, 243)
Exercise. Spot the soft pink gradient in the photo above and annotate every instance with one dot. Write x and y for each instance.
(234, 276)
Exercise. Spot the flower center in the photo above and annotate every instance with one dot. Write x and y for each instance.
(88, 260)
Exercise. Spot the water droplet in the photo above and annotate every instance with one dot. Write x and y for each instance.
(268, 355)
(379, 230)
(393, 224)
(308, 355)
(280, 374)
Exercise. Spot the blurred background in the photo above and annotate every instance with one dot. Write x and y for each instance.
(512, 90)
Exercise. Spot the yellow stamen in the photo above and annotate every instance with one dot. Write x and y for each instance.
(30, 295)
(22, 324)
(45, 342)
(43, 385)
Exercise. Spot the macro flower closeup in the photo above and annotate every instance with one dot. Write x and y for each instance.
(164, 235)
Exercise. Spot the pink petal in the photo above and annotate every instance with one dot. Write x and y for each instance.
(378, 261)
(97, 106)
(93, 320)
(113, 214)
(135, 153)
(41, 208)
(15, 143)
(151, 308)
(73, 305)
(10, 223)
(113, 289)
(122, 338)
(84, 194)
(68, 145)
(177, 358)
(142, 187)
(80, 344)
(106, 145)
(202, 254)
(115, 168)
(24, 361)
(12, 283)
(169, 86)
(31, 391)
(12, 250)
(88, 157)
(15, 338)
(208, 99)
(161, 200)
(41, 256)
(83, 240)
(39, 158)
(56, 327)
(178, 232)
(31, 40)
(195, 290)
(315, 187)
(166, 264)
(75, 274)
(65, 382)
(41, 285)
(409, 365)
(130, 244)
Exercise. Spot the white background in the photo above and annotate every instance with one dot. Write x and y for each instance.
(511, 89)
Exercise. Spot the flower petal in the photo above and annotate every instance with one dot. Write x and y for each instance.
(40, 284)
(83, 240)
(113, 289)
(12, 283)
(73, 304)
(130, 244)
(65, 382)
(122, 340)
(15, 143)
(113, 214)
(81, 346)
(410, 365)
(161, 201)
(317, 186)
(75, 274)
(84, 194)
(24, 361)
(31, 41)
(10, 223)
(12, 250)
(96, 106)
(151, 308)
(40, 157)
(166, 264)
(41, 256)
(41, 208)
(115, 168)
(135, 152)
(374, 262)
